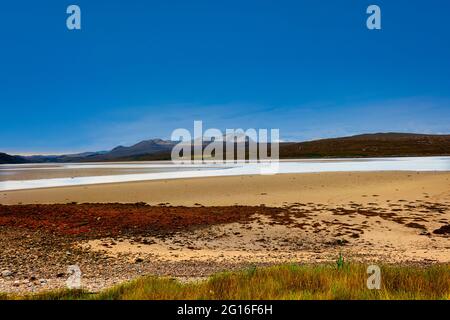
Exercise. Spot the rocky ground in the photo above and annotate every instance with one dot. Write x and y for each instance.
(111, 243)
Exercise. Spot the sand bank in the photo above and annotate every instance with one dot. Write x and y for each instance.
(330, 188)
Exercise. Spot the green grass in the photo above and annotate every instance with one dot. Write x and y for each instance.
(293, 281)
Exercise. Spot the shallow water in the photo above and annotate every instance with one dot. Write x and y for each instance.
(17, 177)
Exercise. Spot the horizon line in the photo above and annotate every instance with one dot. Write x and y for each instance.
(62, 153)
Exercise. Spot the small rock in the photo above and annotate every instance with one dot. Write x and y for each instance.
(6, 273)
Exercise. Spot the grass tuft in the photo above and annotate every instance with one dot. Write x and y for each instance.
(290, 282)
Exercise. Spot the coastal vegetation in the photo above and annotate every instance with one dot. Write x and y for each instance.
(338, 281)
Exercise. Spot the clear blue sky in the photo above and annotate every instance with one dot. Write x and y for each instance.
(139, 69)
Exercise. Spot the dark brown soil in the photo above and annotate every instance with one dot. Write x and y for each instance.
(443, 230)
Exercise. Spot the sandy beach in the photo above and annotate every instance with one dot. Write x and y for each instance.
(389, 217)
(271, 190)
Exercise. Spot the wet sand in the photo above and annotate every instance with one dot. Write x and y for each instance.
(56, 172)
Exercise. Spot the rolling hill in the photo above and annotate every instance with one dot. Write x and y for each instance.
(9, 159)
(365, 145)
(370, 145)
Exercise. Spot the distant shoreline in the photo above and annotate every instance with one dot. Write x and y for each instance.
(27, 177)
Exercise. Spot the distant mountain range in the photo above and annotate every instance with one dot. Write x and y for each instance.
(365, 145)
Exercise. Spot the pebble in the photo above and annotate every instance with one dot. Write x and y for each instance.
(6, 273)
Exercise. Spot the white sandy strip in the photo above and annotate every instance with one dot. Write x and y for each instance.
(336, 165)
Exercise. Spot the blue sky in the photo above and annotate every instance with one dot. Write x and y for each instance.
(140, 69)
